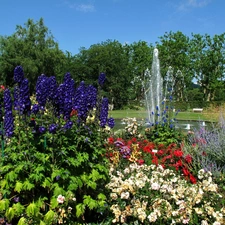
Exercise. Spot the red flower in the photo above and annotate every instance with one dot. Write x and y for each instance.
(185, 171)
(193, 179)
(160, 152)
(134, 140)
(140, 161)
(178, 164)
(155, 160)
(110, 140)
(73, 112)
(188, 158)
(178, 153)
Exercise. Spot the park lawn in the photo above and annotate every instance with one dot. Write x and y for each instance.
(142, 114)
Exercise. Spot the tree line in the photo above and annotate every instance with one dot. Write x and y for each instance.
(183, 60)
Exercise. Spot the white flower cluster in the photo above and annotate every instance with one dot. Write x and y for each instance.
(132, 126)
(151, 193)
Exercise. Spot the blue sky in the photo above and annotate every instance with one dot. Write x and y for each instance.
(81, 23)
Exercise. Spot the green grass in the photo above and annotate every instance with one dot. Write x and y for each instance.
(141, 114)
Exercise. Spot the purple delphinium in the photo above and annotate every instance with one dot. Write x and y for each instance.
(35, 109)
(53, 128)
(42, 90)
(80, 101)
(111, 122)
(91, 97)
(101, 79)
(69, 90)
(104, 112)
(68, 125)
(24, 101)
(59, 100)
(18, 74)
(16, 94)
(8, 119)
(41, 129)
(52, 88)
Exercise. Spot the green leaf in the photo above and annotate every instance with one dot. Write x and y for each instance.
(80, 208)
(27, 185)
(54, 202)
(42, 223)
(91, 203)
(11, 176)
(10, 213)
(32, 209)
(49, 216)
(101, 197)
(47, 182)
(4, 204)
(18, 186)
(18, 208)
(22, 221)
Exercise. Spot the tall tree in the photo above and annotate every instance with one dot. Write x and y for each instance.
(208, 59)
(33, 47)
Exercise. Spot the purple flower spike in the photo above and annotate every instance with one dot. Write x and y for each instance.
(18, 74)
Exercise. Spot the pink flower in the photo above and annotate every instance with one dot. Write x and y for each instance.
(60, 199)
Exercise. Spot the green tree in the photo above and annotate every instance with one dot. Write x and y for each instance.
(208, 55)
(33, 47)
(110, 57)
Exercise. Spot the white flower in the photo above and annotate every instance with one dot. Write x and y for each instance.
(126, 171)
(155, 186)
(113, 196)
(152, 217)
(216, 223)
(204, 222)
(125, 195)
(185, 221)
(60, 199)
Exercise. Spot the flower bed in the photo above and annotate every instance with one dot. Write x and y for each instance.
(61, 163)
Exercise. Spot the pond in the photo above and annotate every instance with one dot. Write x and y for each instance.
(183, 125)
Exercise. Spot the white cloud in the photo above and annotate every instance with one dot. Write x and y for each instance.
(83, 7)
(187, 4)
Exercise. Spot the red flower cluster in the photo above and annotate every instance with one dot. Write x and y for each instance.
(147, 152)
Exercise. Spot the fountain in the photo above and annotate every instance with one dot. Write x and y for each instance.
(153, 90)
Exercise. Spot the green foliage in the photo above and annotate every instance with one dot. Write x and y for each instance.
(165, 134)
(39, 169)
(33, 47)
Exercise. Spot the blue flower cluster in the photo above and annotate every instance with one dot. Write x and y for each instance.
(18, 74)
(104, 112)
(42, 90)
(69, 90)
(64, 98)
(21, 92)
(8, 119)
(84, 100)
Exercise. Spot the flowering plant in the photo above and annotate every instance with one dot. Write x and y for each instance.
(152, 194)
(52, 169)
(123, 152)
